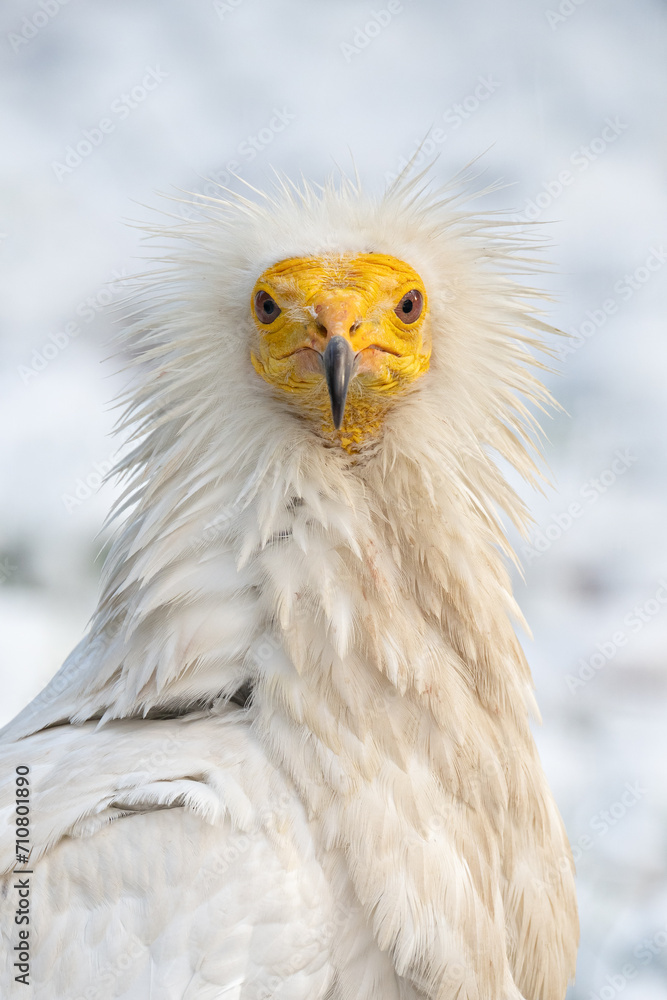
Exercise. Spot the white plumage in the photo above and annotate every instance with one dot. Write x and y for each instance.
(374, 821)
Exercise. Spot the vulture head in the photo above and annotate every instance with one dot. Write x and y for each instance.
(357, 319)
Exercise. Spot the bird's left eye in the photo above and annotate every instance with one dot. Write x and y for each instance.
(410, 307)
(267, 309)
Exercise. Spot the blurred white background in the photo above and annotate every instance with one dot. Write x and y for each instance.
(568, 99)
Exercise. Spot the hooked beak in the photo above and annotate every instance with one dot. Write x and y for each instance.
(339, 362)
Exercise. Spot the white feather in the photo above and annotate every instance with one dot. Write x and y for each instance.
(384, 780)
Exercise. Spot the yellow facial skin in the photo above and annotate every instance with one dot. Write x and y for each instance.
(352, 296)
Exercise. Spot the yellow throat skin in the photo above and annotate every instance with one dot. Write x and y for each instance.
(359, 297)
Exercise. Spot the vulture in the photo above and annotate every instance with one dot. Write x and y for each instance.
(292, 756)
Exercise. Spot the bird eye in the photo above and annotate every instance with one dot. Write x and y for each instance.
(410, 307)
(267, 309)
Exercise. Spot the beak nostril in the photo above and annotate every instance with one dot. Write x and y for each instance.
(355, 326)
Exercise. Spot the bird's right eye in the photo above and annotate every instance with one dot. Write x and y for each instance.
(266, 308)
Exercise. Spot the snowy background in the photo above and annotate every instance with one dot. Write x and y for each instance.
(568, 99)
